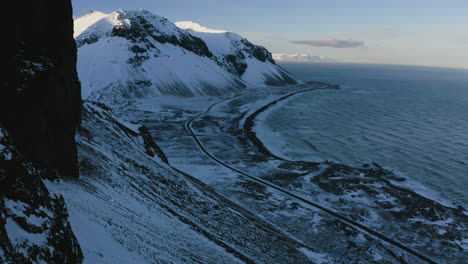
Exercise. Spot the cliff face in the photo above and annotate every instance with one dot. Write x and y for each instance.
(39, 112)
(34, 226)
(40, 92)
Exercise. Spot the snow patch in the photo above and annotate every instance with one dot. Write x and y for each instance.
(21, 237)
(83, 23)
(197, 27)
(318, 257)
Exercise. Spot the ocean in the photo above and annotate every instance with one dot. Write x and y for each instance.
(413, 120)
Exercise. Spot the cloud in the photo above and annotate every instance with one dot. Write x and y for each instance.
(332, 43)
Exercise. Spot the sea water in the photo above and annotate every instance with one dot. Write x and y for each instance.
(413, 120)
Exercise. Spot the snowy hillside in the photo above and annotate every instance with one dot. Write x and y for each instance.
(300, 58)
(134, 54)
(130, 206)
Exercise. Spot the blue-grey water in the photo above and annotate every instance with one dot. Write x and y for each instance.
(411, 119)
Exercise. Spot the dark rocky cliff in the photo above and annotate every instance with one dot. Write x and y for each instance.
(40, 92)
(34, 226)
(39, 112)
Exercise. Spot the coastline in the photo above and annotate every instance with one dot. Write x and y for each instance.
(409, 182)
(343, 219)
(250, 120)
(401, 181)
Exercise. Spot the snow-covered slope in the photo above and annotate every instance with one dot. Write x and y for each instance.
(129, 206)
(253, 63)
(300, 58)
(134, 54)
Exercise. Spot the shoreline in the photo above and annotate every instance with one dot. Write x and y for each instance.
(250, 120)
(408, 183)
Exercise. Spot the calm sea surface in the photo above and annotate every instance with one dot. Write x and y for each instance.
(413, 120)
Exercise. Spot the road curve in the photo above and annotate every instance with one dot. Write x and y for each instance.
(345, 220)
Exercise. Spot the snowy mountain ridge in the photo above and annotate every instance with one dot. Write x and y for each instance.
(135, 54)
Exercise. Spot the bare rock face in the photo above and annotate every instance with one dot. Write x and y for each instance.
(39, 112)
(40, 92)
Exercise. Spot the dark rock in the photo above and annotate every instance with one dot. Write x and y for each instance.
(39, 112)
(142, 31)
(34, 226)
(299, 165)
(258, 52)
(40, 92)
(237, 62)
(151, 147)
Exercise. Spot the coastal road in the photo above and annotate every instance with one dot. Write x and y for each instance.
(345, 220)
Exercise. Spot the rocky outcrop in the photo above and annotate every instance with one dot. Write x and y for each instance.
(40, 92)
(39, 112)
(34, 226)
(252, 63)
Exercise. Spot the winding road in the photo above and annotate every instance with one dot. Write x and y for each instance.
(345, 220)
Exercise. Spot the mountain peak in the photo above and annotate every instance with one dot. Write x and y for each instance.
(89, 19)
(130, 54)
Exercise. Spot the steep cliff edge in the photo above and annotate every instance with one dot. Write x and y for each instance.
(40, 92)
(39, 112)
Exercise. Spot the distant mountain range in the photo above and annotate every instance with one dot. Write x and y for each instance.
(300, 58)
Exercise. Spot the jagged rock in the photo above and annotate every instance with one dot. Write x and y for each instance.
(34, 225)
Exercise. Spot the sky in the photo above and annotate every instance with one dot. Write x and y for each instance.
(413, 32)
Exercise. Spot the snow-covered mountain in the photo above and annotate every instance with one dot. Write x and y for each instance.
(300, 58)
(254, 64)
(135, 54)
